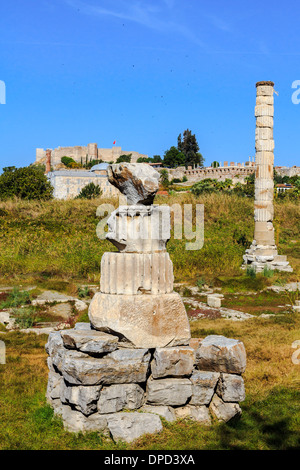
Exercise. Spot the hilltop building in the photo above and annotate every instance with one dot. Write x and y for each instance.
(81, 154)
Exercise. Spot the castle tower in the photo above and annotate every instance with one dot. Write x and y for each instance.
(263, 251)
(48, 161)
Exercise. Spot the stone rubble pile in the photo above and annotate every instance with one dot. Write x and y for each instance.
(97, 384)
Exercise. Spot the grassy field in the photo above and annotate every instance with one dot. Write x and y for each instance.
(54, 245)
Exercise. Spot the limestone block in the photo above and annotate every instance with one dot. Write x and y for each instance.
(264, 110)
(220, 354)
(231, 388)
(265, 90)
(173, 362)
(139, 229)
(54, 385)
(265, 121)
(120, 366)
(139, 182)
(203, 386)
(89, 341)
(264, 145)
(83, 398)
(130, 426)
(170, 391)
(265, 100)
(136, 273)
(55, 349)
(166, 412)
(213, 301)
(144, 321)
(264, 158)
(196, 413)
(118, 397)
(82, 326)
(75, 421)
(224, 411)
(264, 133)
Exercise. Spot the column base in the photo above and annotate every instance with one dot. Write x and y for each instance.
(261, 256)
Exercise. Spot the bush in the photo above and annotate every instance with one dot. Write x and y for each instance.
(67, 161)
(90, 191)
(25, 183)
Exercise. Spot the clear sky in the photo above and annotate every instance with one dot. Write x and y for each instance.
(142, 71)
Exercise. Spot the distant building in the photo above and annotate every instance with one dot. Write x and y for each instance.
(83, 155)
(67, 184)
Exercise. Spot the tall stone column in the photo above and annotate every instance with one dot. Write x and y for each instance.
(48, 161)
(263, 250)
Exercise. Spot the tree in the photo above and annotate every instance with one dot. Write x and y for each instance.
(190, 148)
(90, 191)
(124, 158)
(164, 179)
(143, 160)
(67, 161)
(156, 159)
(173, 158)
(26, 183)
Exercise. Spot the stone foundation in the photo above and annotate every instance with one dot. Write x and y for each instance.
(95, 384)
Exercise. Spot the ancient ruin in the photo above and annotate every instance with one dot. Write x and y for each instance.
(263, 251)
(136, 354)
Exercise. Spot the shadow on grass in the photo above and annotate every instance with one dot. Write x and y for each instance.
(269, 424)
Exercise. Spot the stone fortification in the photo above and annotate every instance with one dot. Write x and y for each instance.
(83, 154)
(237, 172)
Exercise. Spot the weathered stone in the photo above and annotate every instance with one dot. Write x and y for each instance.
(51, 296)
(145, 321)
(61, 310)
(203, 386)
(80, 305)
(119, 397)
(231, 388)
(170, 391)
(89, 341)
(224, 411)
(55, 349)
(137, 181)
(54, 385)
(75, 421)
(82, 326)
(130, 426)
(83, 398)
(166, 412)
(174, 362)
(196, 413)
(146, 273)
(220, 354)
(213, 301)
(120, 366)
(139, 229)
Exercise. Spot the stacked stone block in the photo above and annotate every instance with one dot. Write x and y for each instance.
(97, 384)
(263, 251)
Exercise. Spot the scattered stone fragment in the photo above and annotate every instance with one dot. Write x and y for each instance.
(130, 426)
(62, 310)
(51, 296)
(220, 354)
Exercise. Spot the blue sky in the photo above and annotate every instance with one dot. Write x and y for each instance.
(142, 71)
